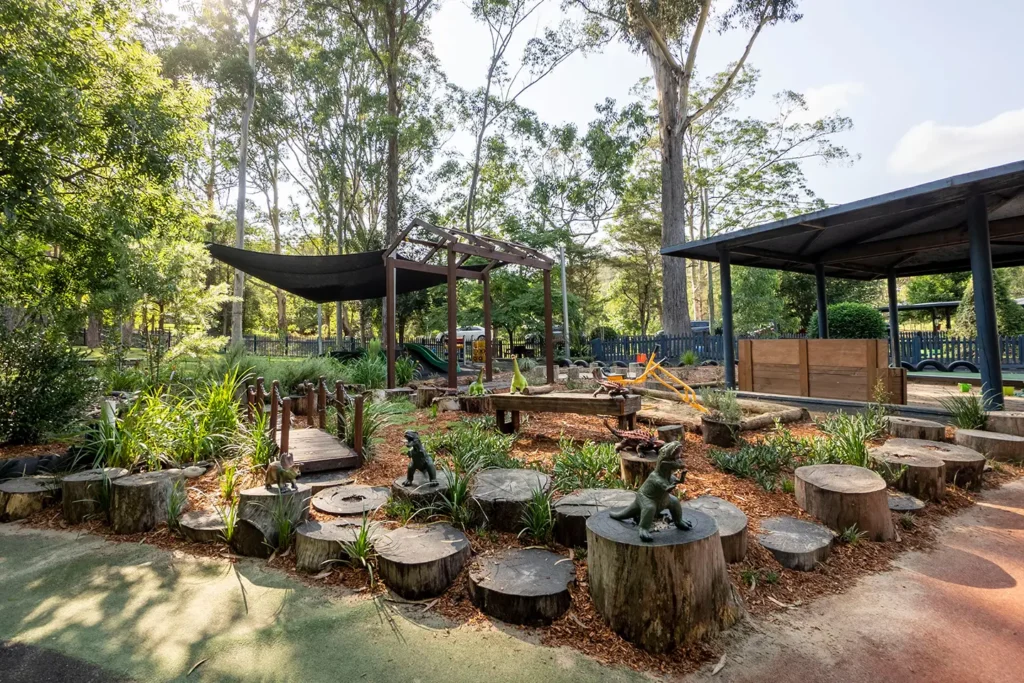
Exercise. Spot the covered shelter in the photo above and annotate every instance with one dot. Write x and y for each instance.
(973, 221)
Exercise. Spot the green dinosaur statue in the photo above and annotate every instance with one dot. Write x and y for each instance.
(477, 388)
(518, 381)
(655, 494)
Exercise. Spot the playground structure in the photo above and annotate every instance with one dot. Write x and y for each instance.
(654, 370)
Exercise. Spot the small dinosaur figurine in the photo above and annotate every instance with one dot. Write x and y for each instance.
(282, 472)
(655, 494)
(477, 388)
(607, 386)
(640, 439)
(518, 381)
(421, 460)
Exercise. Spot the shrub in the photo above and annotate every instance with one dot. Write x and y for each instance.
(538, 518)
(44, 385)
(966, 411)
(370, 370)
(405, 369)
(584, 466)
(471, 444)
(689, 357)
(526, 364)
(722, 402)
(850, 320)
(376, 416)
(455, 503)
(762, 462)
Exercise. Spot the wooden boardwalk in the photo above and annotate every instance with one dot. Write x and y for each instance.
(316, 451)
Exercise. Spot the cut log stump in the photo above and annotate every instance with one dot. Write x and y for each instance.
(318, 481)
(500, 496)
(964, 466)
(842, 496)
(674, 590)
(794, 543)
(573, 511)
(318, 543)
(1005, 422)
(924, 474)
(732, 524)
(260, 509)
(994, 445)
(522, 586)
(82, 493)
(670, 433)
(203, 526)
(352, 500)
(24, 496)
(635, 467)
(913, 428)
(421, 562)
(904, 502)
(139, 502)
(421, 493)
(479, 405)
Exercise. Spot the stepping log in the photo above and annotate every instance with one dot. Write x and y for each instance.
(844, 495)
(317, 543)
(139, 502)
(924, 474)
(421, 493)
(81, 493)
(1004, 447)
(573, 511)
(501, 495)
(664, 593)
(352, 500)
(964, 466)
(794, 543)
(732, 524)
(259, 511)
(904, 502)
(421, 562)
(670, 433)
(634, 467)
(522, 586)
(913, 428)
(318, 481)
(24, 496)
(1005, 422)
(203, 526)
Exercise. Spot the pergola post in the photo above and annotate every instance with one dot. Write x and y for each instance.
(725, 275)
(488, 328)
(549, 329)
(984, 302)
(894, 323)
(389, 326)
(819, 281)
(453, 327)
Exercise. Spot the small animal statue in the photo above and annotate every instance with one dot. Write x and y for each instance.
(655, 494)
(421, 460)
(604, 385)
(282, 472)
(518, 381)
(638, 440)
(477, 388)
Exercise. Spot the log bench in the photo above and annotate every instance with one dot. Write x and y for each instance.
(623, 408)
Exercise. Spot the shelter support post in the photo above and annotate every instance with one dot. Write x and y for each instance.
(819, 281)
(488, 329)
(453, 327)
(549, 329)
(949, 323)
(935, 324)
(725, 274)
(894, 323)
(984, 302)
(389, 318)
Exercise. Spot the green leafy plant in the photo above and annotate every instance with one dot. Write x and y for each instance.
(852, 535)
(851, 320)
(359, 552)
(254, 442)
(228, 482)
(471, 444)
(538, 518)
(100, 497)
(723, 404)
(456, 503)
(788, 486)
(284, 516)
(526, 364)
(176, 504)
(587, 465)
(401, 509)
(966, 411)
(433, 411)
(405, 369)
(762, 462)
(369, 370)
(376, 416)
(689, 358)
(907, 521)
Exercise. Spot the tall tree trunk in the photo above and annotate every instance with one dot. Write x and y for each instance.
(475, 179)
(92, 332)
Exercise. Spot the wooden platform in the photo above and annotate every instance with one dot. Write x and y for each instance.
(624, 408)
(316, 451)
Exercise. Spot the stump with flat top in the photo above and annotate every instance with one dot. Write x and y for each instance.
(317, 544)
(422, 492)
(964, 466)
(318, 481)
(670, 433)
(573, 511)
(522, 585)
(795, 543)
(674, 590)
(352, 500)
(904, 502)
(924, 474)
(24, 496)
(262, 512)
(842, 496)
(421, 562)
(203, 526)
(635, 466)
(82, 493)
(994, 445)
(732, 524)
(914, 428)
(500, 496)
(139, 502)
(1005, 422)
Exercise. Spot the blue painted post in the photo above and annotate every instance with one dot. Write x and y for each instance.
(894, 323)
(819, 280)
(597, 348)
(984, 302)
(727, 336)
(915, 352)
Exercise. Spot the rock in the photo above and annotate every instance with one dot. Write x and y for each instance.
(995, 445)
(904, 502)
(913, 428)
(501, 495)
(317, 544)
(573, 511)
(522, 586)
(351, 500)
(796, 544)
(421, 562)
(140, 502)
(203, 526)
(924, 474)
(193, 472)
(24, 496)
(732, 524)
(964, 466)
(842, 496)
(83, 495)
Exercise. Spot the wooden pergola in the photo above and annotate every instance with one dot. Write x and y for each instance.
(427, 248)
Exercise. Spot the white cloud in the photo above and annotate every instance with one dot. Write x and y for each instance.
(827, 100)
(930, 147)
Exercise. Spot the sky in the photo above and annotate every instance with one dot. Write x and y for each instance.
(934, 87)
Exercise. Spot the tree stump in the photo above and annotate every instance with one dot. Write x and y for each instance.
(658, 595)
(994, 445)
(1005, 422)
(318, 481)
(475, 404)
(501, 495)
(421, 562)
(573, 511)
(904, 502)
(352, 500)
(318, 543)
(913, 428)
(719, 433)
(842, 496)
(139, 502)
(522, 586)
(82, 493)
(670, 433)
(426, 395)
(420, 493)
(261, 510)
(924, 475)
(732, 525)
(203, 526)
(794, 543)
(24, 496)
(964, 466)
(634, 467)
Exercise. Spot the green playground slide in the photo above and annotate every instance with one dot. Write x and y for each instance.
(429, 357)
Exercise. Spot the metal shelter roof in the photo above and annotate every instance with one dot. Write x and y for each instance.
(914, 231)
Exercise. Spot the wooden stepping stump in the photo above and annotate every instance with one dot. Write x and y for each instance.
(904, 502)
(81, 493)
(317, 543)
(352, 500)
(964, 466)
(256, 533)
(732, 524)
(924, 474)
(421, 562)
(670, 433)
(24, 496)
(475, 404)
(318, 481)
(573, 511)
(794, 543)
(522, 586)
(421, 493)
(995, 445)
(634, 467)
(139, 501)
(845, 495)
(1005, 422)
(203, 526)
(913, 428)
(501, 495)
(664, 593)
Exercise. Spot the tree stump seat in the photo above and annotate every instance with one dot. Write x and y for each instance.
(421, 493)
(203, 526)
(964, 466)
(82, 493)
(671, 433)
(573, 511)
(795, 543)
(318, 481)
(914, 428)
(350, 500)
(994, 445)
(522, 585)
(635, 466)
(319, 543)
(140, 502)
(501, 495)
(1005, 422)
(843, 496)
(732, 524)
(261, 510)
(24, 496)
(421, 562)
(924, 474)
